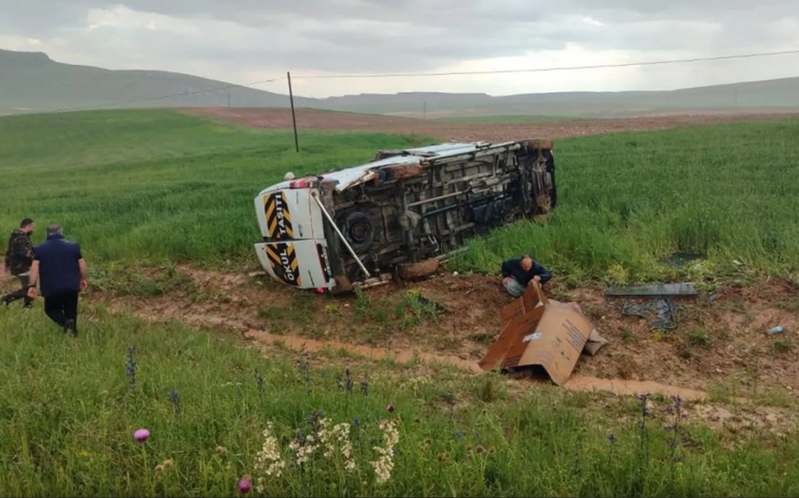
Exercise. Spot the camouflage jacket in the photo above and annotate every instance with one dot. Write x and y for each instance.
(19, 255)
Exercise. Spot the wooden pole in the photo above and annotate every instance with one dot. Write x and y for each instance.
(293, 116)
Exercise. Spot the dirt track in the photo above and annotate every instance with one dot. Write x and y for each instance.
(718, 343)
(333, 121)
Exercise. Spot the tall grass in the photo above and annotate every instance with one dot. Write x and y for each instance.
(728, 192)
(69, 408)
(151, 186)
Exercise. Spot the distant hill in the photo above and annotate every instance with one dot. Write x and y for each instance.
(32, 82)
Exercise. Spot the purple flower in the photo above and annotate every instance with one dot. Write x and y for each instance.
(141, 435)
(244, 485)
(611, 437)
(390, 408)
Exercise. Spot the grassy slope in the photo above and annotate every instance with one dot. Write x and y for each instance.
(728, 191)
(149, 186)
(68, 413)
(27, 83)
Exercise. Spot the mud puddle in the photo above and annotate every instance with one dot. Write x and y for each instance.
(579, 383)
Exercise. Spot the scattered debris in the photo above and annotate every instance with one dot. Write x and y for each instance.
(426, 302)
(666, 318)
(779, 329)
(653, 290)
(539, 336)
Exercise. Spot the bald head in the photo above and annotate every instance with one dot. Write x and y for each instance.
(526, 263)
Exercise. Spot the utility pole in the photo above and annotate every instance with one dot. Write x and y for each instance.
(424, 110)
(228, 99)
(293, 116)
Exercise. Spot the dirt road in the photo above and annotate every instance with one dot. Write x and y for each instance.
(336, 121)
(719, 343)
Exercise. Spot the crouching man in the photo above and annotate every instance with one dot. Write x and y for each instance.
(518, 273)
(59, 266)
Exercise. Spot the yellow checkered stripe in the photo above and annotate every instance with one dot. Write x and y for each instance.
(278, 217)
(284, 262)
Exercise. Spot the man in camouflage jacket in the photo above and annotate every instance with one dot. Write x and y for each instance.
(19, 258)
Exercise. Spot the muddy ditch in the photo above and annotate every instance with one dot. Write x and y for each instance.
(719, 347)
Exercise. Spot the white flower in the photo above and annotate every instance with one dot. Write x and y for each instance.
(268, 461)
(385, 464)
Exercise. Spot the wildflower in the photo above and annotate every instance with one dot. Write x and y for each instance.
(268, 461)
(365, 387)
(168, 464)
(337, 436)
(259, 380)
(427, 443)
(356, 422)
(385, 463)
(611, 437)
(442, 457)
(84, 454)
(390, 408)
(492, 451)
(460, 434)
(159, 469)
(244, 485)
(141, 435)
(175, 398)
(130, 365)
(221, 450)
(479, 449)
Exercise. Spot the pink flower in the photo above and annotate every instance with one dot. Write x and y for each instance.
(390, 408)
(244, 485)
(141, 435)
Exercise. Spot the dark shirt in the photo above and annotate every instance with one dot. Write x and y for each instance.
(59, 272)
(19, 255)
(513, 268)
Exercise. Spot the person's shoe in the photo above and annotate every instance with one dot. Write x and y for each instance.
(70, 328)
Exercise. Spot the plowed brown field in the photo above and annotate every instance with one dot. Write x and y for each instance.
(308, 119)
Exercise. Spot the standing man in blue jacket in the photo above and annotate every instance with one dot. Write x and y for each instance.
(60, 265)
(518, 273)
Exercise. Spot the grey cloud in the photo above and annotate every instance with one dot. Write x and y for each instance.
(401, 35)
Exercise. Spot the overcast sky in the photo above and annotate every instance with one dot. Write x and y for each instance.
(248, 40)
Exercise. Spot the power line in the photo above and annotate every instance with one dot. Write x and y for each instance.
(169, 96)
(552, 69)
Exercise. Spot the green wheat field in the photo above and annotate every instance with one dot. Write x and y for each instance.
(143, 187)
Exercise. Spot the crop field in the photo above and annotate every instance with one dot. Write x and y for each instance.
(162, 204)
(155, 186)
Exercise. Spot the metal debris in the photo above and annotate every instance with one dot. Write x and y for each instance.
(653, 290)
(663, 309)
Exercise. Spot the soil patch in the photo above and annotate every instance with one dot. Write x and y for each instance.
(720, 345)
(308, 119)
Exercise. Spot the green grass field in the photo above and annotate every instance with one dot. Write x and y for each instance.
(70, 408)
(152, 186)
(143, 187)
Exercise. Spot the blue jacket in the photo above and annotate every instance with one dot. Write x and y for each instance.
(513, 268)
(58, 266)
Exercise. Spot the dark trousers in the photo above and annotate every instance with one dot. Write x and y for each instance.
(21, 293)
(63, 309)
